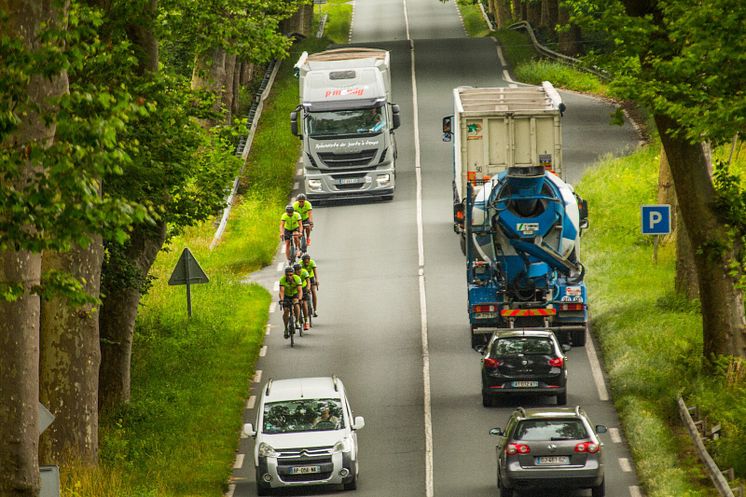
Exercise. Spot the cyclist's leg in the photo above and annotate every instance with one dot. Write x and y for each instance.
(313, 298)
(285, 315)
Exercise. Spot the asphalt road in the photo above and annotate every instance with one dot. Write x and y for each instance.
(414, 377)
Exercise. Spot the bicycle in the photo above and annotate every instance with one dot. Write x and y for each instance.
(309, 307)
(302, 242)
(292, 323)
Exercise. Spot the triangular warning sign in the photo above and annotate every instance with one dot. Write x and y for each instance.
(187, 270)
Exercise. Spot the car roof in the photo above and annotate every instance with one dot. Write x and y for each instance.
(550, 412)
(324, 387)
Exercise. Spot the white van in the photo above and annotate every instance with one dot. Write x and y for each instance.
(305, 435)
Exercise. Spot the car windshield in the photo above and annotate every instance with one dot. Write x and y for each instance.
(550, 429)
(346, 122)
(303, 415)
(523, 345)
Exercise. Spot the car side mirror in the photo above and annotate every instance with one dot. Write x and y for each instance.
(601, 429)
(566, 347)
(359, 423)
(396, 116)
(447, 128)
(294, 123)
(498, 432)
(248, 430)
(480, 348)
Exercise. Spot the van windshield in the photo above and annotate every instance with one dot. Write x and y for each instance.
(303, 415)
(354, 122)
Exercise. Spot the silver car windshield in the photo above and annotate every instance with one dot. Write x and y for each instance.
(550, 429)
(346, 122)
(303, 415)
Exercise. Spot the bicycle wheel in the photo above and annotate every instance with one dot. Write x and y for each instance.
(300, 321)
(310, 311)
(291, 331)
(303, 244)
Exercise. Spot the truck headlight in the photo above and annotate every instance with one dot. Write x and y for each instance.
(266, 450)
(383, 179)
(343, 445)
(314, 184)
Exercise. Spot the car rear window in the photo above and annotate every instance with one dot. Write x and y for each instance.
(523, 345)
(550, 429)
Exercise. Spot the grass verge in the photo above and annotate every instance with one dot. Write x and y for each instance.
(474, 23)
(337, 28)
(651, 339)
(190, 378)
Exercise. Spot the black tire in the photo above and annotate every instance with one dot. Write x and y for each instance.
(562, 399)
(261, 488)
(291, 328)
(504, 492)
(488, 400)
(600, 490)
(462, 243)
(387, 198)
(578, 337)
(309, 305)
(352, 485)
(303, 243)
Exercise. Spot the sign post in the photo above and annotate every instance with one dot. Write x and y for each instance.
(656, 220)
(49, 475)
(188, 272)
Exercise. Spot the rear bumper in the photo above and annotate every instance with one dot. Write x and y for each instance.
(523, 391)
(570, 477)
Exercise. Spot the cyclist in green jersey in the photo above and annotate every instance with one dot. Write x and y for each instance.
(304, 207)
(310, 265)
(305, 283)
(290, 226)
(291, 290)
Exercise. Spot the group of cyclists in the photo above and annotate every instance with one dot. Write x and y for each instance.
(300, 281)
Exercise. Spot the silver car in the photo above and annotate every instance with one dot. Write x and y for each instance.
(549, 448)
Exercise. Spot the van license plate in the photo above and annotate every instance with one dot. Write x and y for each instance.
(351, 181)
(304, 470)
(552, 460)
(525, 384)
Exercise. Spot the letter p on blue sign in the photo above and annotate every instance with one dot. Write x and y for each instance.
(656, 219)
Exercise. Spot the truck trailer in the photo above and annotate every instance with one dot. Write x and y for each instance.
(346, 120)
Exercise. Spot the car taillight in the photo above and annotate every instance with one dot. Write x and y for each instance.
(491, 363)
(587, 447)
(571, 307)
(513, 449)
(484, 308)
(556, 362)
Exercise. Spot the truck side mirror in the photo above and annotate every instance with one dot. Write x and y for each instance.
(583, 211)
(447, 129)
(294, 123)
(397, 117)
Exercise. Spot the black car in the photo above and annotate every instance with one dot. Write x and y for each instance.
(524, 362)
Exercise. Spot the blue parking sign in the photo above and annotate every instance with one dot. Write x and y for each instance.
(656, 219)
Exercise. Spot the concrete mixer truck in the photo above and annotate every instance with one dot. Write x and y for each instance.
(520, 222)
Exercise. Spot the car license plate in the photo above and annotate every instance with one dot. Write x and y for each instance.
(485, 315)
(304, 470)
(525, 384)
(549, 460)
(351, 181)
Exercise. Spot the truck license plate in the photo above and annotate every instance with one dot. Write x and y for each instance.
(351, 181)
(485, 315)
(304, 470)
(525, 384)
(552, 460)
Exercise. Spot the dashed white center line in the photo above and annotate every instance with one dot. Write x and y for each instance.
(625, 465)
(251, 402)
(634, 491)
(272, 307)
(280, 265)
(258, 376)
(239, 462)
(269, 328)
(276, 286)
(263, 351)
(299, 172)
(615, 436)
(296, 185)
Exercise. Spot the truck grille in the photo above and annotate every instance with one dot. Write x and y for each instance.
(356, 160)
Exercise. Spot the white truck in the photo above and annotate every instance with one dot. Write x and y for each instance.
(496, 128)
(346, 120)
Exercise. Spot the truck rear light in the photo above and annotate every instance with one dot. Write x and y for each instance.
(491, 363)
(571, 307)
(513, 449)
(556, 362)
(484, 308)
(587, 448)
(460, 215)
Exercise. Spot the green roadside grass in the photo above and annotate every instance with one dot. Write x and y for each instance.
(191, 377)
(474, 23)
(337, 28)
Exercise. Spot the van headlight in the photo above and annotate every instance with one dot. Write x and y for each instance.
(314, 184)
(343, 445)
(266, 450)
(383, 179)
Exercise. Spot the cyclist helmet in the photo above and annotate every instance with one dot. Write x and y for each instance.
(289, 209)
(301, 196)
(289, 270)
(306, 257)
(296, 267)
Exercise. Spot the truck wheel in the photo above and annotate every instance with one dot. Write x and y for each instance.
(578, 337)
(562, 399)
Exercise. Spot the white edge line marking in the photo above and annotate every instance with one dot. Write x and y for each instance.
(598, 376)
(272, 307)
(276, 286)
(231, 489)
(421, 277)
(625, 465)
(258, 376)
(251, 402)
(239, 462)
(280, 265)
(615, 436)
(263, 351)
(506, 74)
(269, 327)
(299, 172)
(296, 185)
(634, 491)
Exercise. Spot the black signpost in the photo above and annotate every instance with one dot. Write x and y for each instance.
(188, 272)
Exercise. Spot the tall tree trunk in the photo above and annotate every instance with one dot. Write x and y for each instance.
(723, 321)
(118, 313)
(247, 72)
(236, 107)
(519, 10)
(533, 14)
(569, 40)
(209, 73)
(142, 35)
(69, 360)
(549, 13)
(230, 78)
(19, 317)
(503, 17)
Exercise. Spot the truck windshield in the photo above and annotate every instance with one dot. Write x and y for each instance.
(346, 122)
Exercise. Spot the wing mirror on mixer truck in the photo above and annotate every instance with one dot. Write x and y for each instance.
(396, 116)
(583, 211)
(447, 129)
(294, 122)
